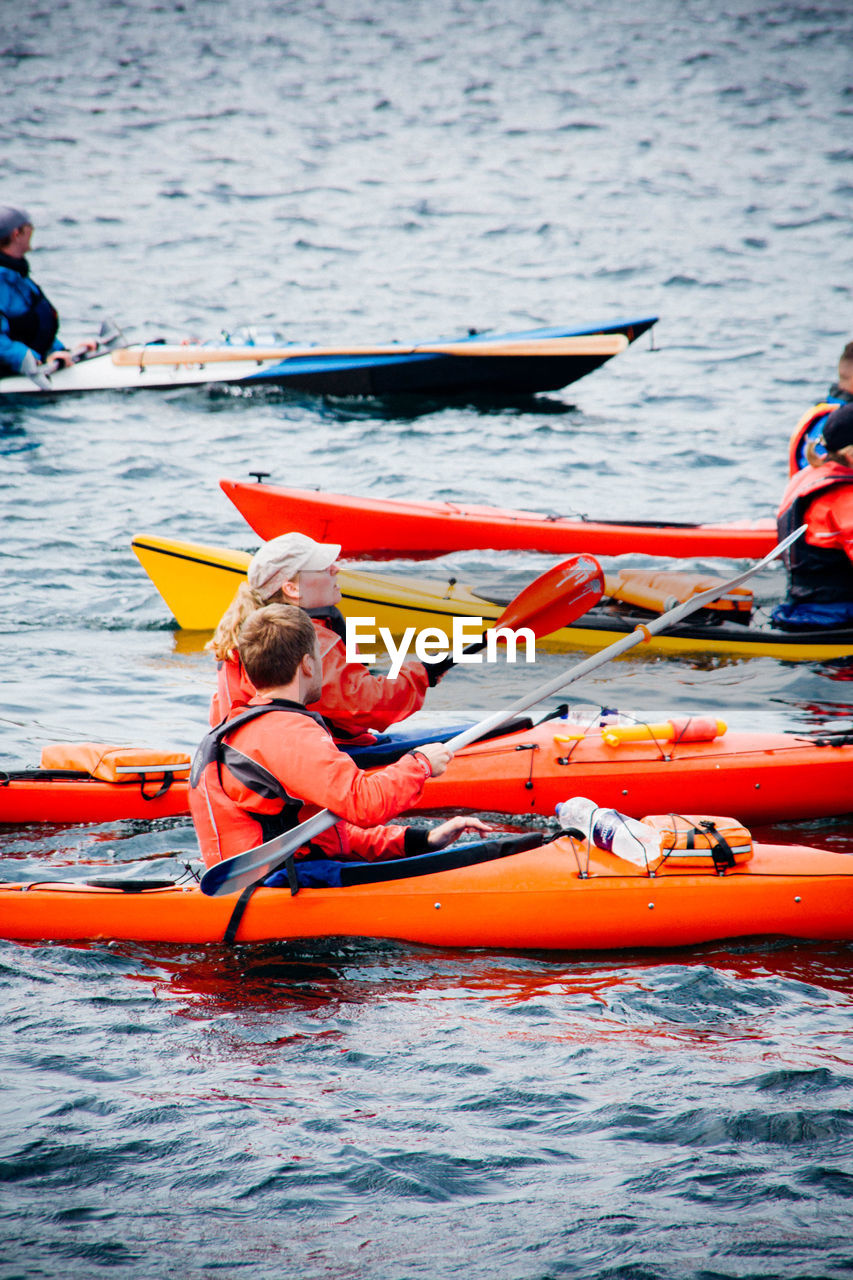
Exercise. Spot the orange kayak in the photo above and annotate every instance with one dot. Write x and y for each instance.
(556, 897)
(383, 529)
(762, 777)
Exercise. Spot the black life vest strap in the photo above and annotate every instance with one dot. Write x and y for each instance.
(210, 747)
(243, 901)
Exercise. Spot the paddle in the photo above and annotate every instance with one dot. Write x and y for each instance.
(245, 869)
(108, 334)
(595, 344)
(558, 597)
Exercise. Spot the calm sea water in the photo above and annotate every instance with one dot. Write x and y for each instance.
(351, 172)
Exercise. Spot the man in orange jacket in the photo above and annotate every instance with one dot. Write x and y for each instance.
(273, 763)
(820, 564)
(294, 569)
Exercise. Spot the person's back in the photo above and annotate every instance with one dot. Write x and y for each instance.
(28, 322)
(263, 773)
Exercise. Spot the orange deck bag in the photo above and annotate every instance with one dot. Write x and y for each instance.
(102, 761)
(701, 841)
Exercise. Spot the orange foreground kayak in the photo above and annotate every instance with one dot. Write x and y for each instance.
(762, 777)
(556, 897)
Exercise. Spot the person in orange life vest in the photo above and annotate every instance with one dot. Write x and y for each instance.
(294, 569)
(273, 763)
(820, 568)
(841, 392)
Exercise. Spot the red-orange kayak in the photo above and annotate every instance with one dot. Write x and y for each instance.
(555, 897)
(384, 529)
(762, 777)
(45, 795)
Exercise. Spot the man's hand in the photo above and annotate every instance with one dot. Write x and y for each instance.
(437, 755)
(444, 835)
(62, 358)
(36, 372)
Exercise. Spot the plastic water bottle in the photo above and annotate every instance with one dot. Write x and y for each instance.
(613, 831)
(590, 716)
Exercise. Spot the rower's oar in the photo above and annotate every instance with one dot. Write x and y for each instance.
(583, 345)
(108, 334)
(557, 598)
(245, 869)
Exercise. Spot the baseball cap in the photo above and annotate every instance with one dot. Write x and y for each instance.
(281, 559)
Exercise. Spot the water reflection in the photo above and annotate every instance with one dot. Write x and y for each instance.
(343, 972)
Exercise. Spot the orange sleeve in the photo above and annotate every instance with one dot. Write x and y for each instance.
(312, 769)
(830, 520)
(373, 844)
(356, 700)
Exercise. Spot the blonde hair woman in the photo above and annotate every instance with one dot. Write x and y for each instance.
(294, 569)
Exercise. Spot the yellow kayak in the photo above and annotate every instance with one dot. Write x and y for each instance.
(198, 582)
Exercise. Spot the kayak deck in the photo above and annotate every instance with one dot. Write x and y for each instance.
(556, 897)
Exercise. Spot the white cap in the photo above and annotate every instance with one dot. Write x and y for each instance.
(281, 559)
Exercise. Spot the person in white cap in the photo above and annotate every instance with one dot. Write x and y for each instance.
(29, 324)
(294, 569)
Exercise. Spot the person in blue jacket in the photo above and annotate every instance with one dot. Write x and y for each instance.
(29, 324)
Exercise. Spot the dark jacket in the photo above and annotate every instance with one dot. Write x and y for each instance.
(28, 322)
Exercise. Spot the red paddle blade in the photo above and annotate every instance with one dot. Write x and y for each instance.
(557, 597)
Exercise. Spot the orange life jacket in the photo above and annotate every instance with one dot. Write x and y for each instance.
(272, 765)
(807, 429)
(352, 702)
(818, 574)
